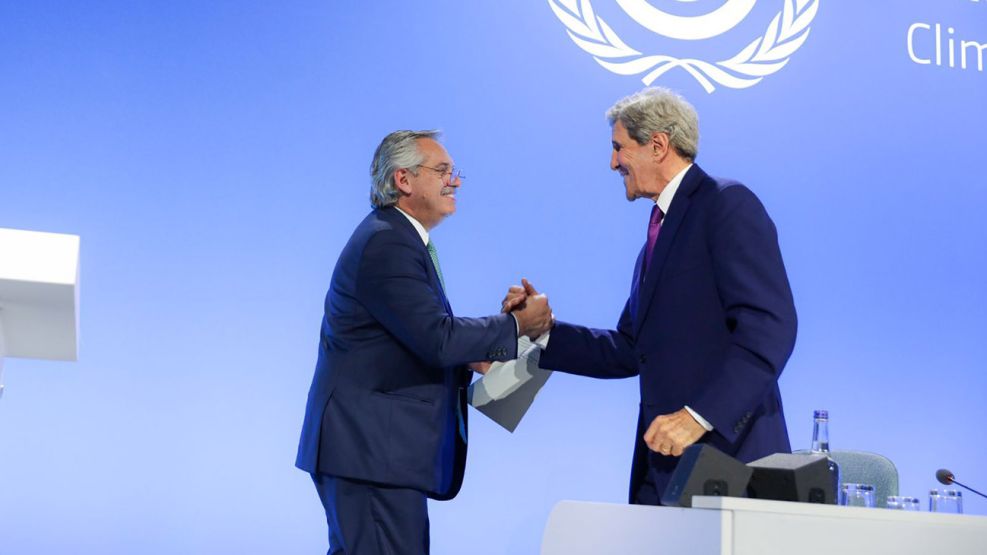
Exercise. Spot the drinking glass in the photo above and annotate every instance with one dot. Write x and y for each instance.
(857, 495)
(903, 503)
(946, 501)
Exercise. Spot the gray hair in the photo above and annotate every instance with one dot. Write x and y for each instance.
(398, 151)
(659, 110)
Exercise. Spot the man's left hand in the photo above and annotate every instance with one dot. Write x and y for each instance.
(516, 295)
(480, 367)
(670, 434)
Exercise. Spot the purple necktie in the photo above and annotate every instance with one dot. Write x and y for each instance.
(654, 226)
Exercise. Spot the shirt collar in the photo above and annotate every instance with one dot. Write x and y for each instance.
(418, 225)
(664, 201)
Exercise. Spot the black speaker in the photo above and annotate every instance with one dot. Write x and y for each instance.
(787, 477)
(704, 470)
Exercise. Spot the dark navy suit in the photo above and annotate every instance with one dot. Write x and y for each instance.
(710, 326)
(387, 403)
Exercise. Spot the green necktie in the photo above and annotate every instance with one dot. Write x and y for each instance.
(438, 270)
(435, 262)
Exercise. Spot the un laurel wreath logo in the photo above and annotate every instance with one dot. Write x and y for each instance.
(763, 56)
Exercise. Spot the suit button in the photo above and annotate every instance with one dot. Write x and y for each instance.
(643, 359)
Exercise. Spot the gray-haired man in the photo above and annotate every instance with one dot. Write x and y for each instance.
(385, 425)
(709, 323)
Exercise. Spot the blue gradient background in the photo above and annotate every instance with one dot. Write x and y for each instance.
(213, 157)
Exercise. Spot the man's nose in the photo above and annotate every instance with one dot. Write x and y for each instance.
(613, 161)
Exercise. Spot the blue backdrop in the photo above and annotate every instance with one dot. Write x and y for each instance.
(213, 157)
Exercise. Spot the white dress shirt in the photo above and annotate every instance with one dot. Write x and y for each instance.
(418, 225)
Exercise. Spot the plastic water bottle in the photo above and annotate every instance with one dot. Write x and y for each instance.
(820, 446)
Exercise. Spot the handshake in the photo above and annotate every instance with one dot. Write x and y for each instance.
(530, 308)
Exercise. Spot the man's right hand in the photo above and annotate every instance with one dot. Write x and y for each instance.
(534, 315)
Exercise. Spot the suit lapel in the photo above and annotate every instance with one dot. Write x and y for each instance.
(398, 220)
(434, 275)
(677, 212)
(636, 285)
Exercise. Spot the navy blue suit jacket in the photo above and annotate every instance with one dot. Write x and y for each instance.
(710, 326)
(390, 379)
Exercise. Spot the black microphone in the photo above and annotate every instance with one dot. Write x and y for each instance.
(946, 477)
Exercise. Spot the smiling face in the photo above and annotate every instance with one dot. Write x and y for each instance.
(428, 191)
(638, 164)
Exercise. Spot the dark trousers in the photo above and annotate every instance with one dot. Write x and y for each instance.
(372, 519)
(647, 492)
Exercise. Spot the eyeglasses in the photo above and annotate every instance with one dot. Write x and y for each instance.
(452, 173)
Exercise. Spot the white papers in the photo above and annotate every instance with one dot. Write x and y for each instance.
(507, 390)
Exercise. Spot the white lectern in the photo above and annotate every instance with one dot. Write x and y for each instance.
(39, 296)
(737, 526)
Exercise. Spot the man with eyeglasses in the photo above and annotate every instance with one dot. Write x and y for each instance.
(385, 425)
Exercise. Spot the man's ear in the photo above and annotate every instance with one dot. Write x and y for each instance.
(659, 144)
(401, 180)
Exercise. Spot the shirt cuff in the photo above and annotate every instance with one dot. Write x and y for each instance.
(702, 421)
(542, 340)
(526, 347)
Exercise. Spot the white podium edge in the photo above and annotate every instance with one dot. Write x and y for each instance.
(75, 242)
(3, 354)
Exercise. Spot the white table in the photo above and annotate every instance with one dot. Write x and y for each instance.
(39, 296)
(737, 526)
